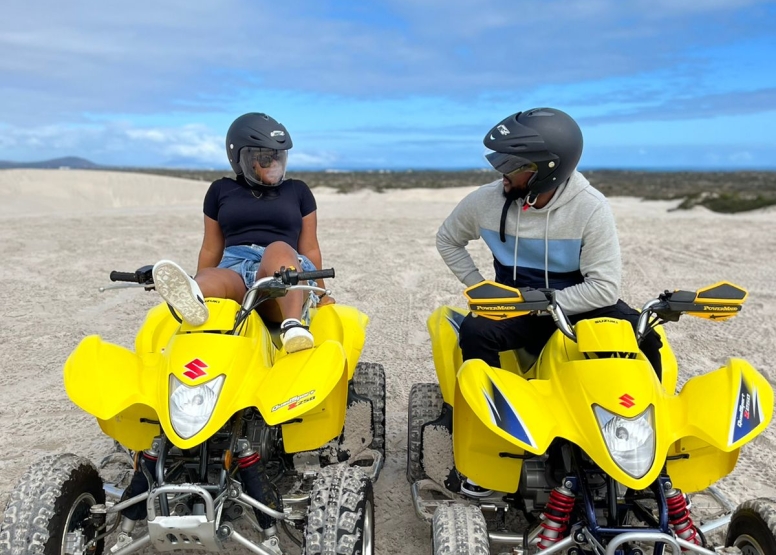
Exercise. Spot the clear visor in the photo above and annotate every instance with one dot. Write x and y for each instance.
(263, 166)
(509, 164)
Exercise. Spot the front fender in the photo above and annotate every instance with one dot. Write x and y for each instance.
(489, 434)
(729, 406)
(444, 325)
(343, 324)
(103, 379)
(716, 414)
(106, 381)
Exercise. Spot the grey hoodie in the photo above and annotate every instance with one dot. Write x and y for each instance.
(570, 244)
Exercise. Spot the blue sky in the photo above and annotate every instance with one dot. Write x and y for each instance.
(658, 84)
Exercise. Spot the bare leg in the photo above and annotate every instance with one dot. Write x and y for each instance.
(279, 254)
(221, 283)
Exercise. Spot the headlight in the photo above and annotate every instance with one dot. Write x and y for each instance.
(191, 407)
(631, 441)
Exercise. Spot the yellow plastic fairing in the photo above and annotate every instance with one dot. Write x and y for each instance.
(139, 386)
(345, 325)
(96, 366)
(443, 327)
(722, 410)
(607, 335)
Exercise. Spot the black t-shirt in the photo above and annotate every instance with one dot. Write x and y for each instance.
(246, 220)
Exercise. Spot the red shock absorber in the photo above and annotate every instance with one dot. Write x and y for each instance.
(557, 514)
(679, 517)
(248, 460)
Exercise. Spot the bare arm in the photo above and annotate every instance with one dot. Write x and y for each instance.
(212, 249)
(308, 242)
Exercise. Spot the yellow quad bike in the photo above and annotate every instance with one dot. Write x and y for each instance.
(584, 450)
(226, 431)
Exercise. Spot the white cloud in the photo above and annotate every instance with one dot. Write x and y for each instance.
(741, 157)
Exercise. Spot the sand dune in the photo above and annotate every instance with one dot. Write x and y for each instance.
(63, 231)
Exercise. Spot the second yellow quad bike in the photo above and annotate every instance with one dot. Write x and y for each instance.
(225, 431)
(584, 450)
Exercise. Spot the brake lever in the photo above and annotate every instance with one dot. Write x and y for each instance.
(124, 286)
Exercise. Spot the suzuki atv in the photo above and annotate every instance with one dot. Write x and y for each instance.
(226, 431)
(583, 450)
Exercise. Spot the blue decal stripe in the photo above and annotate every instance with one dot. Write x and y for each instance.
(455, 319)
(507, 419)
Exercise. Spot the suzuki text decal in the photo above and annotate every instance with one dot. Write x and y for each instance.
(627, 401)
(296, 400)
(747, 413)
(196, 369)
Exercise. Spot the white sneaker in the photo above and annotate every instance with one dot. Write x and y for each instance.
(295, 336)
(180, 291)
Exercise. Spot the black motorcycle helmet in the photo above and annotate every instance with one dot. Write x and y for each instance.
(257, 147)
(544, 140)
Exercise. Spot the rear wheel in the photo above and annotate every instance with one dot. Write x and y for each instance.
(424, 406)
(49, 510)
(340, 519)
(752, 527)
(459, 530)
(369, 381)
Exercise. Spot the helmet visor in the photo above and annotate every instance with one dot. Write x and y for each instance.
(508, 164)
(263, 166)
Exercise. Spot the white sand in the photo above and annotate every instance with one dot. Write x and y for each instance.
(62, 232)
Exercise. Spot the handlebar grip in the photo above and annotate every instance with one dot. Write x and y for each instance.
(316, 274)
(123, 276)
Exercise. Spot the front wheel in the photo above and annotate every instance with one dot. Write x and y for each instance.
(752, 527)
(459, 529)
(340, 520)
(49, 510)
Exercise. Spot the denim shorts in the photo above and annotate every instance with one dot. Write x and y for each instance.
(245, 260)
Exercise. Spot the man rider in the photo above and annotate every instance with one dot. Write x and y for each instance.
(547, 227)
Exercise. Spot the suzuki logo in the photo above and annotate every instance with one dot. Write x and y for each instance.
(627, 401)
(196, 369)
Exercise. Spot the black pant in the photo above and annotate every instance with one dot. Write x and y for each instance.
(484, 338)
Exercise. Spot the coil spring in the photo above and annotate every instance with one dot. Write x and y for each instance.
(557, 514)
(679, 517)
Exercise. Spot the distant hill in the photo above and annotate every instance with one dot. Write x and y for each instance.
(72, 162)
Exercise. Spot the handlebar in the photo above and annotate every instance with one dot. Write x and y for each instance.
(143, 276)
(290, 276)
(493, 300)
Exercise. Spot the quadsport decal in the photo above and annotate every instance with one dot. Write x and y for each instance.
(504, 415)
(747, 413)
(295, 401)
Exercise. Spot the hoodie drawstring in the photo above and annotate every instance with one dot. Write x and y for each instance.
(517, 235)
(523, 205)
(503, 223)
(547, 251)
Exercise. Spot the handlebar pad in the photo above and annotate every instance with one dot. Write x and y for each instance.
(124, 276)
(316, 274)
